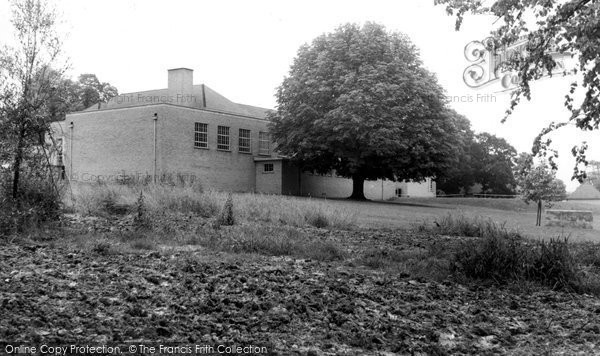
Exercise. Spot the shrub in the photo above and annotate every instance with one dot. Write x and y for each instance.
(227, 217)
(462, 225)
(140, 220)
(325, 251)
(502, 259)
(317, 219)
(38, 202)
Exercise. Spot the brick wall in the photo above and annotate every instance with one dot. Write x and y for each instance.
(221, 170)
(110, 143)
(269, 182)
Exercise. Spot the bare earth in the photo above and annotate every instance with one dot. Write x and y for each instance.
(190, 296)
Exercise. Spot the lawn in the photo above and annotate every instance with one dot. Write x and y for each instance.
(406, 212)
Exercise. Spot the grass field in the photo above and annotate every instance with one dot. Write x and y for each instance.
(340, 213)
(404, 213)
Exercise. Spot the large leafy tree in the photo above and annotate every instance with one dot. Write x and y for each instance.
(69, 95)
(493, 159)
(459, 178)
(358, 101)
(569, 27)
(482, 159)
(92, 91)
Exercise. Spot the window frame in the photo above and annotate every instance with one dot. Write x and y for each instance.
(247, 149)
(197, 133)
(224, 136)
(271, 171)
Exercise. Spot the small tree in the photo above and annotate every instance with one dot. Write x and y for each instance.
(539, 184)
(28, 76)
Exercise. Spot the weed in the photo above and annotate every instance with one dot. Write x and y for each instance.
(501, 259)
(325, 251)
(461, 225)
(102, 247)
(317, 219)
(227, 217)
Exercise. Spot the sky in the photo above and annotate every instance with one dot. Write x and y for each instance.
(244, 49)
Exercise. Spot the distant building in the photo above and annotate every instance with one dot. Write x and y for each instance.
(191, 130)
(586, 191)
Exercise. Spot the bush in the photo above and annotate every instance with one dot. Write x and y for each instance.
(502, 259)
(317, 219)
(325, 251)
(469, 227)
(38, 202)
(227, 218)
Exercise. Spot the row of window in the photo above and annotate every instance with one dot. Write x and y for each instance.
(224, 142)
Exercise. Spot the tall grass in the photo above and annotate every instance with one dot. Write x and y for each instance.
(101, 199)
(462, 225)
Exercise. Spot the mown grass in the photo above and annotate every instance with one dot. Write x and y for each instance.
(510, 205)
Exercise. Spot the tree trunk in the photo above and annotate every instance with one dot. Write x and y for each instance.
(17, 165)
(538, 221)
(358, 188)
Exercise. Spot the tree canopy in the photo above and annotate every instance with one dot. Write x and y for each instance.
(359, 101)
(68, 95)
(567, 27)
(483, 159)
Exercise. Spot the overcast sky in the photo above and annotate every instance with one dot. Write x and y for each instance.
(243, 49)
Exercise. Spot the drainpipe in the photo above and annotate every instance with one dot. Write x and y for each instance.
(71, 126)
(154, 168)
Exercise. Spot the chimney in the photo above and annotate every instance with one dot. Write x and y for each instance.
(181, 86)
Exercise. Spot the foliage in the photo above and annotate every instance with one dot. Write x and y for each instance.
(502, 259)
(358, 101)
(484, 159)
(539, 183)
(568, 27)
(494, 162)
(26, 81)
(227, 217)
(318, 218)
(39, 202)
(461, 225)
(593, 173)
(459, 178)
(141, 214)
(69, 95)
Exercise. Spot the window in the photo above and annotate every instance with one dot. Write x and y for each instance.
(268, 168)
(245, 142)
(200, 135)
(223, 138)
(399, 192)
(264, 142)
(430, 185)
